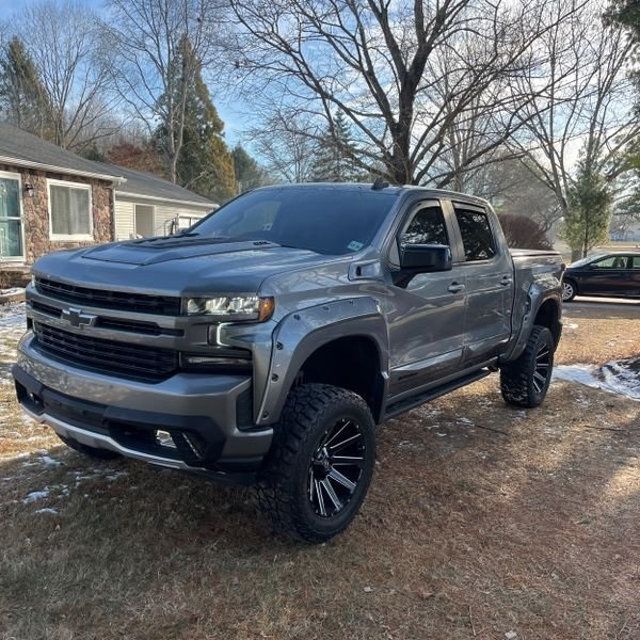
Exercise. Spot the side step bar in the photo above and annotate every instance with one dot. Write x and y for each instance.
(396, 408)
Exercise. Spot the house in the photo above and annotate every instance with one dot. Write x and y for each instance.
(51, 198)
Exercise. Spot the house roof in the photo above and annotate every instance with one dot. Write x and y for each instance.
(146, 185)
(22, 149)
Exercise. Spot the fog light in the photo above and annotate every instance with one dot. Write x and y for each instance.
(164, 439)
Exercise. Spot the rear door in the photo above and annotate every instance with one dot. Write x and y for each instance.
(488, 275)
(426, 314)
(634, 276)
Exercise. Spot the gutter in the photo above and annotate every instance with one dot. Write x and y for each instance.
(29, 164)
(140, 196)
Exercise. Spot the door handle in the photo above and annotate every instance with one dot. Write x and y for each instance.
(455, 287)
(506, 281)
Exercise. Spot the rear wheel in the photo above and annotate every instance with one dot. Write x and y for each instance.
(320, 464)
(92, 452)
(525, 381)
(569, 290)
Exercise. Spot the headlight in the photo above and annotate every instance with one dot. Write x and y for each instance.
(232, 308)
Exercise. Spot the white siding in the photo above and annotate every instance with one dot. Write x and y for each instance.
(164, 213)
(124, 224)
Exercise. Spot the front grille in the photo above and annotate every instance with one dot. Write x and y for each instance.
(115, 324)
(142, 303)
(125, 359)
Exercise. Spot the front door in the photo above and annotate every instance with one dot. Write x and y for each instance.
(426, 316)
(11, 245)
(608, 276)
(144, 220)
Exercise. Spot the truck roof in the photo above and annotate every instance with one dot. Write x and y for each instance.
(367, 186)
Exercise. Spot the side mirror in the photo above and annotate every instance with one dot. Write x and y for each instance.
(425, 258)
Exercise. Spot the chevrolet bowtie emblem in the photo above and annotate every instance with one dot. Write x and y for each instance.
(76, 318)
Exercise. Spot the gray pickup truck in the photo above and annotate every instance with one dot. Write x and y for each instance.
(265, 344)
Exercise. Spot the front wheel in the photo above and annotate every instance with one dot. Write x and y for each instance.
(320, 464)
(525, 381)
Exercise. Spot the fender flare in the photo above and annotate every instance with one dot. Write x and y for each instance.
(302, 332)
(539, 292)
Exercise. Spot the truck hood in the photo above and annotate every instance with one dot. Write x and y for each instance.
(177, 266)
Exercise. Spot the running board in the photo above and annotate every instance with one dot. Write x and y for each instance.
(396, 408)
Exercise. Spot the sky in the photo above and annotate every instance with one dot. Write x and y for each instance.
(230, 110)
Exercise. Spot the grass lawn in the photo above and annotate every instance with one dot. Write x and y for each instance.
(482, 520)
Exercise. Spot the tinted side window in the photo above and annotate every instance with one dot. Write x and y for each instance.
(476, 235)
(427, 227)
(635, 262)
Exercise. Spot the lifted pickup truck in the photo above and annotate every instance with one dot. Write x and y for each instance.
(266, 343)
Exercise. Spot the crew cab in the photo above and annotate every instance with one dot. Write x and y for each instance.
(264, 344)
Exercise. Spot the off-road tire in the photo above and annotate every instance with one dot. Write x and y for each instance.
(311, 411)
(567, 285)
(92, 452)
(517, 381)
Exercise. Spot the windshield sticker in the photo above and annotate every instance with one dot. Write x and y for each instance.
(354, 245)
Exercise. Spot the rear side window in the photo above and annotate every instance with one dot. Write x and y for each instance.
(635, 262)
(426, 227)
(477, 237)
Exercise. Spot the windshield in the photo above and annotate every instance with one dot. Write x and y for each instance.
(323, 219)
(587, 260)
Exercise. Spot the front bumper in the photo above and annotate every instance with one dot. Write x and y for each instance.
(201, 412)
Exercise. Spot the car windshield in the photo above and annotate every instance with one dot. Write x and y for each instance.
(587, 260)
(324, 219)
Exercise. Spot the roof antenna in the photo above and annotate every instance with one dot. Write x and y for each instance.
(379, 184)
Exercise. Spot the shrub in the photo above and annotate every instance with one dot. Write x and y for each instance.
(523, 233)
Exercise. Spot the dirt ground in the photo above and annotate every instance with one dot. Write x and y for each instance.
(483, 521)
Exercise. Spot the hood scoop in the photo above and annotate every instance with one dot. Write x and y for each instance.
(164, 249)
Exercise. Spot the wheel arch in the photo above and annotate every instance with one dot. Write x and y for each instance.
(543, 306)
(307, 343)
(548, 315)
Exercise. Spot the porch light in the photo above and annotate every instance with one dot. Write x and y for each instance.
(29, 190)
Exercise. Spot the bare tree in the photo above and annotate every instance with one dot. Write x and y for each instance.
(586, 106)
(65, 42)
(151, 73)
(402, 73)
(288, 155)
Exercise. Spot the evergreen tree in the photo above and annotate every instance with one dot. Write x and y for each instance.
(204, 164)
(335, 155)
(587, 222)
(249, 174)
(23, 99)
(626, 13)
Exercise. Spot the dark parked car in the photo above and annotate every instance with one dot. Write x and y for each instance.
(605, 274)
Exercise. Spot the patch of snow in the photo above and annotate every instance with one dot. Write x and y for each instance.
(621, 377)
(570, 325)
(47, 510)
(115, 476)
(36, 495)
(12, 316)
(11, 291)
(49, 461)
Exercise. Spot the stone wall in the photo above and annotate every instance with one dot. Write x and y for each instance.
(35, 213)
